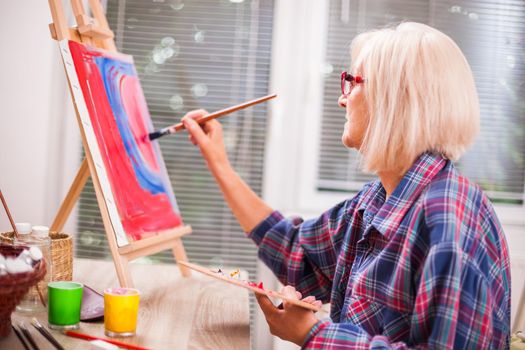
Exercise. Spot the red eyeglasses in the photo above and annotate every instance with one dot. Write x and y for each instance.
(348, 82)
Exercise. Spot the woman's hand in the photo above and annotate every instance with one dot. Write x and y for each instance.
(293, 322)
(208, 137)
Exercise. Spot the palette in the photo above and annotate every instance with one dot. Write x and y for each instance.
(247, 285)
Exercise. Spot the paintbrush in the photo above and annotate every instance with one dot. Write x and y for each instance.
(179, 126)
(20, 337)
(111, 341)
(4, 203)
(28, 336)
(16, 236)
(46, 334)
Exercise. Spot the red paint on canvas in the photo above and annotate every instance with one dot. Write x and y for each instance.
(121, 123)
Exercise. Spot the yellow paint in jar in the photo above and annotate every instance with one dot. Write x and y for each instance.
(121, 308)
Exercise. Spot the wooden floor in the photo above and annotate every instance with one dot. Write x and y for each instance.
(175, 313)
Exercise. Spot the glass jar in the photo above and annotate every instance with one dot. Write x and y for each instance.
(37, 236)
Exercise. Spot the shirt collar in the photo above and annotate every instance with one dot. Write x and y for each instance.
(387, 216)
(373, 199)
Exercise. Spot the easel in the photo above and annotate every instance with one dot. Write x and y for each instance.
(96, 32)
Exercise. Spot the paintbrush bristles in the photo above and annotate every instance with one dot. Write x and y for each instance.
(4, 203)
(46, 334)
(159, 133)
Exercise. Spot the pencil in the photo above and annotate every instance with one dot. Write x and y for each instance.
(114, 342)
(179, 126)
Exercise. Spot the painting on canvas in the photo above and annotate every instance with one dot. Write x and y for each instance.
(116, 123)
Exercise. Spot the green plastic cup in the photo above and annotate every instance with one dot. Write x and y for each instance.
(64, 299)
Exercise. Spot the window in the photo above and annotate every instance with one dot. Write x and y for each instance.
(491, 35)
(196, 54)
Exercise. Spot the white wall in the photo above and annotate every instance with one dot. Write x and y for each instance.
(38, 139)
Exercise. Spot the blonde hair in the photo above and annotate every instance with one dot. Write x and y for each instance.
(420, 93)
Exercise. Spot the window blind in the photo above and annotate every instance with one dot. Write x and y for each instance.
(491, 34)
(196, 54)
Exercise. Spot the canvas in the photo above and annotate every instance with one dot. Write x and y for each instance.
(116, 123)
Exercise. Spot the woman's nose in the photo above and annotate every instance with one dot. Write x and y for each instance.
(342, 101)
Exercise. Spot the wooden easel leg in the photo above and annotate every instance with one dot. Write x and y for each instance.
(123, 273)
(60, 25)
(71, 197)
(180, 255)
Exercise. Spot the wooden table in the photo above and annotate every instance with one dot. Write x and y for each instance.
(175, 312)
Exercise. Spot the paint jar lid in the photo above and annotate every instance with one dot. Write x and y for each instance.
(23, 228)
(40, 230)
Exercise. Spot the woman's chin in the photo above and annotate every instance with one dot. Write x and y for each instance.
(347, 141)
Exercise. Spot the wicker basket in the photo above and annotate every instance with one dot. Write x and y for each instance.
(14, 287)
(61, 254)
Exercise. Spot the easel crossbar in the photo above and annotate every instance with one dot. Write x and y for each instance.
(154, 244)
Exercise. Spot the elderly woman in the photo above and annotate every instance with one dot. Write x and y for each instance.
(415, 259)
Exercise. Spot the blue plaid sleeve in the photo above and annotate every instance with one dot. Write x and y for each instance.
(304, 253)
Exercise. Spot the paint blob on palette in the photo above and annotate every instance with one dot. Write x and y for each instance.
(120, 121)
(236, 275)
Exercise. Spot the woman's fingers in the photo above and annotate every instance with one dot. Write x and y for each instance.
(211, 125)
(290, 292)
(211, 129)
(208, 137)
(309, 299)
(192, 140)
(196, 114)
(194, 129)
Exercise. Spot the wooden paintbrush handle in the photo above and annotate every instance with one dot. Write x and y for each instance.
(222, 112)
(4, 203)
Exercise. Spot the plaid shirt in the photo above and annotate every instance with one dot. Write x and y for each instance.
(427, 268)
